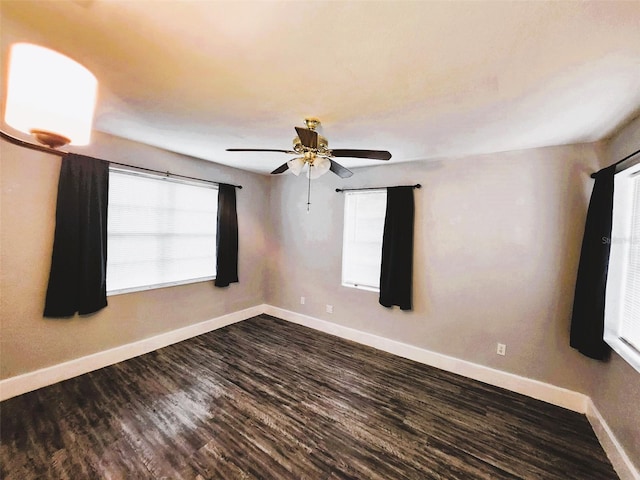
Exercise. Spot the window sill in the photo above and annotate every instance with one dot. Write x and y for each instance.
(159, 285)
(622, 348)
(362, 287)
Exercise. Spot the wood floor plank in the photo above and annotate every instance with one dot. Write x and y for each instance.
(265, 399)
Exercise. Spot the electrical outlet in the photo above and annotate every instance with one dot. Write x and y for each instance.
(329, 308)
(502, 349)
(302, 300)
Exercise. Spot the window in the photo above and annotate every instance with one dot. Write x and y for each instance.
(364, 214)
(160, 232)
(622, 310)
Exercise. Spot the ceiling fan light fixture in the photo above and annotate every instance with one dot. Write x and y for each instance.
(318, 167)
(296, 165)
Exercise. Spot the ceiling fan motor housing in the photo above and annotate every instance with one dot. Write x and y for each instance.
(323, 146)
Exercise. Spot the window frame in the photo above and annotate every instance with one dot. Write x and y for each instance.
(621, 243)
(142, 288)
(346, 231)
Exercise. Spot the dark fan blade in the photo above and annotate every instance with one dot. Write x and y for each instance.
(282, 168)
(257, 150)
(309, 138)
(372, 154)
(340, 170)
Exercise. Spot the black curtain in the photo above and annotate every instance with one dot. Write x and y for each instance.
(397, 249)
(77, 281)
(587, 323)
(227, 239)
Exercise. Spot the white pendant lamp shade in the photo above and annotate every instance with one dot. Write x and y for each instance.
(319, 167)
(296, 165)
(50, 93)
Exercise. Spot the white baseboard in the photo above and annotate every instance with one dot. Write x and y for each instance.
(619, 459)
(30, 381)
(532, 388)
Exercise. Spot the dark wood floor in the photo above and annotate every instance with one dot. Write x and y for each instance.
(268, 399)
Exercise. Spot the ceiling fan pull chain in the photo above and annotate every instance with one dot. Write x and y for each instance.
(309, 189)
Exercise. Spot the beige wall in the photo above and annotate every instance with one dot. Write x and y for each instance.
(615, 387)
(624, 143)
(27, 217)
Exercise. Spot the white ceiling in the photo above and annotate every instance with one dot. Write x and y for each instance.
(423, 80)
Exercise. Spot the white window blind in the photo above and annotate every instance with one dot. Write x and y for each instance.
(622, 303)
(364, 214)
(160, 232)
(630, 328)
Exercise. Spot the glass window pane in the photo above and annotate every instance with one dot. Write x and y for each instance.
(159, 231)
(362, 245)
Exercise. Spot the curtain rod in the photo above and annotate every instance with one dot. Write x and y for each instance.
(593, 175)
(417, 185)
(60, 153)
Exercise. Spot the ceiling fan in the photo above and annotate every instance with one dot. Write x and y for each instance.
(313, 150)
